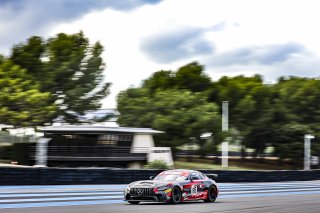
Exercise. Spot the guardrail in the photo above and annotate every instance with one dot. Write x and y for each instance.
(65, 176)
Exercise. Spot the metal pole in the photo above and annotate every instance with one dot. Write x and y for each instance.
(225, 127)
(225, 116)
(225, 150)
(307, 151)
(41, 152)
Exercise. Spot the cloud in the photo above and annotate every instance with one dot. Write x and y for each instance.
(220, 26)
(20, 19)
(174, 45)
(68, 8)
(304, 64)
(263, 55)
(271, 61)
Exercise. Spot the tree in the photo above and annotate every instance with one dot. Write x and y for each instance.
(188, 77)
(135, 108)
(161, 80)
(68, 67)
(192, 77)
(244, 94)
(29, 56)
(21, 102)
(181, 114)
(174, 102)
(249, 107)
(263, 131)
(288, 141)
(261, 115)
(301, 96)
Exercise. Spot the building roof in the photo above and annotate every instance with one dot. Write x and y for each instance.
(96, 129)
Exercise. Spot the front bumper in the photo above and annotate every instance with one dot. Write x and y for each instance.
(159, 196)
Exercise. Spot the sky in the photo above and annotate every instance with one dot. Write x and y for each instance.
(229, 37)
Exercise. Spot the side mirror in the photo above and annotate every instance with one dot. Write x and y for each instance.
(151, 177)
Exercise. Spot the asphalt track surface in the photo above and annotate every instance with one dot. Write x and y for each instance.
(245, 197)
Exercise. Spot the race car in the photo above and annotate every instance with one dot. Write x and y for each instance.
(173, 186)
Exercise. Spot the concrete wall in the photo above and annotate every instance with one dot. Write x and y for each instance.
(161, 153)
(56, 176)
(142, 143)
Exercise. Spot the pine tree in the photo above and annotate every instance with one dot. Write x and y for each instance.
(68, 67)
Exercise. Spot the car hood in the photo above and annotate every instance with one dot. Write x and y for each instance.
(149, 183)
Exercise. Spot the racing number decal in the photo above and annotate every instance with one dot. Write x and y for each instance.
(194, 189)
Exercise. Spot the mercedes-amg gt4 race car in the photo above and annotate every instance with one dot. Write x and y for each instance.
(173, 186)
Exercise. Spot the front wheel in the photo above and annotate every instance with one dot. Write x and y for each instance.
(176, 195)
(212, 194)
(133, 202)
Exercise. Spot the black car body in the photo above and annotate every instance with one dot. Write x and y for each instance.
(173, 186)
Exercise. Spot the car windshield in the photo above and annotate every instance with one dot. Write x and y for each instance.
(171, 176)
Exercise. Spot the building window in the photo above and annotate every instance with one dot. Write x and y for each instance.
(115, 139)
(69, 136)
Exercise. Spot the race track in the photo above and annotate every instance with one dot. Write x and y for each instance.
(244, 197)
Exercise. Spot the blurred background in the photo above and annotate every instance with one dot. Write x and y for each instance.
(55, 81)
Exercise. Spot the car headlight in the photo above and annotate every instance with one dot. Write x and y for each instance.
(127, 189)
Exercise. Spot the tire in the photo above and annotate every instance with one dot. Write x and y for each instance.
(212, 194)
(134, 202)
(176, 195)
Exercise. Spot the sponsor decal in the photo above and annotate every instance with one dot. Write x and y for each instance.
(194, 190)
(171, 173)
(183, 173)
(168, 190)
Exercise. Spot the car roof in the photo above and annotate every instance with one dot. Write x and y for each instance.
(181, 170)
